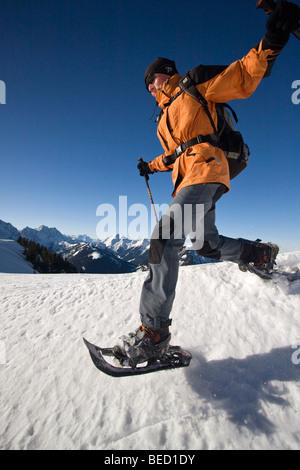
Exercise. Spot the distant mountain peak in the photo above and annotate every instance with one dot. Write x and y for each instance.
(8, 231)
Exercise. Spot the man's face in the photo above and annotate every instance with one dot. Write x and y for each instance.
(157, 83)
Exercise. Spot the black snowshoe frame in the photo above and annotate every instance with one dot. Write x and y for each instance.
(174, 358)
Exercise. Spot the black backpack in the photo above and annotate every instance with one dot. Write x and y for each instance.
(224, 136)
(231, 141)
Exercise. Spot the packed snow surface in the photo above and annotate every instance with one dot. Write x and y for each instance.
(241, 390)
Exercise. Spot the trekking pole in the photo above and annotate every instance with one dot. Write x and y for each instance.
(269, 6)
(149, 192)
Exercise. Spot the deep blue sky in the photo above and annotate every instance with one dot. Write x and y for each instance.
(77, 115)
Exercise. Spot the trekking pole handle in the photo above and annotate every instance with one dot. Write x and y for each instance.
(269, 6)
(145, 175)
(149, 192)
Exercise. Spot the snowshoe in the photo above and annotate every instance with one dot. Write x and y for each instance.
(172, 358)
(262, 259)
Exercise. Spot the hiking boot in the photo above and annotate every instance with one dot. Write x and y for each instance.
(259, 258)
(142, 345)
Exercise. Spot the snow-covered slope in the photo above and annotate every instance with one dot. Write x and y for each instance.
(12, 259)
(8, 231)
(241, 390)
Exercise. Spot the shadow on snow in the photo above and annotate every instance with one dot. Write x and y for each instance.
(240, 386)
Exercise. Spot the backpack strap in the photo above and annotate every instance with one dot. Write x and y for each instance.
(188, 85)
(226, 105)
(200, 139)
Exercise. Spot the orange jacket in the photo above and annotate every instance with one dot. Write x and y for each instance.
(185, 119)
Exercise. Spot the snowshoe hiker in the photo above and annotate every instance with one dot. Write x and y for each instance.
(200, 174)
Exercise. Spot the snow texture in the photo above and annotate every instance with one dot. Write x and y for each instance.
(241, 390)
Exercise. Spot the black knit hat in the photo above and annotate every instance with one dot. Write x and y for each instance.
(160, 65)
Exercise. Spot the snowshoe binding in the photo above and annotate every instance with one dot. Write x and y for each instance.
(143, 344)
(259, 258)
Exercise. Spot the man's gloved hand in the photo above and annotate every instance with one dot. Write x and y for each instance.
(281, 22)
(144, 168)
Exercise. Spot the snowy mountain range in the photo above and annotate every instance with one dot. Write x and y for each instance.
(116, 254)
(43, 235)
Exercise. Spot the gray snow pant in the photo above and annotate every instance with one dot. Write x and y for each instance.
(192, 212)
